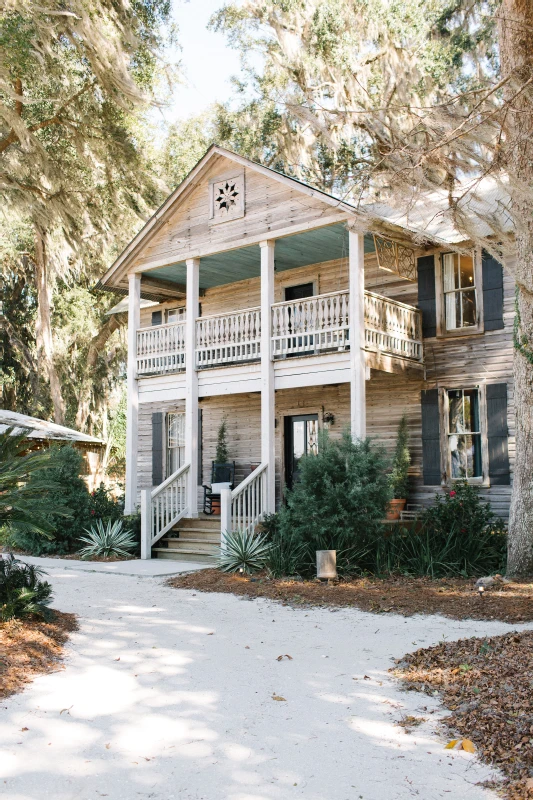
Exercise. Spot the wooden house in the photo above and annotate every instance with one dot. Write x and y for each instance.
(283, 309)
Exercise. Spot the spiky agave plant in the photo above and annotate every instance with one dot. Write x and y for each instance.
(107, 540)
(22, 592)
(243, 551)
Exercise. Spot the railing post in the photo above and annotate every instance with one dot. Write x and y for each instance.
(132, 412)
(225, 515)
(146, 523)
(356, 269)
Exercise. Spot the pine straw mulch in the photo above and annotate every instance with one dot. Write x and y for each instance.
(30, 647)
(488, 686)
(456, 598)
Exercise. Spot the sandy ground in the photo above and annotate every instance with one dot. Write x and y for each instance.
(171, 694)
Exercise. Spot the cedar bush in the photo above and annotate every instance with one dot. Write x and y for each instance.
(338, 503)
(399, 477)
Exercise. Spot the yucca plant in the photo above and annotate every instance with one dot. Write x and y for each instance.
(243, 551)
(22, 592)
(107, 540)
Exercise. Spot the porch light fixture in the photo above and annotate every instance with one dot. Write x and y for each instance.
(397, 258)
(328, 418)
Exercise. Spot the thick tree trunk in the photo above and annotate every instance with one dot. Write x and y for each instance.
(515, 24)
(43, 327)
(96, 346)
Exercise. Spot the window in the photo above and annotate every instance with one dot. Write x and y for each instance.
(175, 455)
(175, 315)
(464, 434)
(459, 285)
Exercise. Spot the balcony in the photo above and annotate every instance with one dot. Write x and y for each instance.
(307, 327)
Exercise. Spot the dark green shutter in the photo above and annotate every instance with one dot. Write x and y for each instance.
(431, 437)
(426, 296)
(497, 433)
(157, 317)
(157, 448)
(492, 292)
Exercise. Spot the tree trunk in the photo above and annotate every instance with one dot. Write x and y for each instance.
(43, 327)
(515, 21)
(96, 346)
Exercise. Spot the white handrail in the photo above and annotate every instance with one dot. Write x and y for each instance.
(163, 507)
(310, 325)
(161, 348)
(228, 338)
(393, 327)
(244, 507)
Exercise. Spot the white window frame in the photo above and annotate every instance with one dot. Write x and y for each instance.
(181, 311)
(180, 441)
(445, 433)
(440, 298)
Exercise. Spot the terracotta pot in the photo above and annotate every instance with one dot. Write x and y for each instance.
(215, 506)
(394, 509)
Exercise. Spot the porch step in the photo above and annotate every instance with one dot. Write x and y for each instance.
(182, 555)
(203, 545)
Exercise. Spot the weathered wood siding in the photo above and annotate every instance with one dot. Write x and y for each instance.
(145, 438)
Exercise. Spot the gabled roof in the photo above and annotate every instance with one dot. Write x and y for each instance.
(190, 181)
(41, 429)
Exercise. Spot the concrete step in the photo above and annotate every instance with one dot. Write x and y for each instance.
(182, 555)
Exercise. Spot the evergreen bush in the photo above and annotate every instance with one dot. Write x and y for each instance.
(222, 453)
(338, 503)
(400, 463)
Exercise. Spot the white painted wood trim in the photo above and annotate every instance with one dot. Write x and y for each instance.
(191, 383)
(132, 412)
(268, 409)
(356, 270)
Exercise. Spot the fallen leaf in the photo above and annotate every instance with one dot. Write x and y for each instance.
(529, 783)
(451, 744)
(367, 678)
(468, 745)
(108, 745)
(65, 709)
(116, 659)
(211, 634)
(280, 658)
(24, 729)
(277, 697)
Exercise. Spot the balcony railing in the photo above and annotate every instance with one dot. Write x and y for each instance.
(309, 326)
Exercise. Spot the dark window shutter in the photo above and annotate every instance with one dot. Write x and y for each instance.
(200, 449)
(157, 317)
(497, 434)
(492, 292)
(431, 437)
(157, 448)
(426, 296)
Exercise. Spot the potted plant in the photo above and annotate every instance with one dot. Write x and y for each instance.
(399, 478)
(221, 458)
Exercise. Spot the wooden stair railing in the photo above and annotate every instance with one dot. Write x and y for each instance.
(163, 507)
(244, 507)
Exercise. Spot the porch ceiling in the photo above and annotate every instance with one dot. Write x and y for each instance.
(300, 250)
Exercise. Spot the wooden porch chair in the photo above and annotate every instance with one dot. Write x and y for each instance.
(220, 473)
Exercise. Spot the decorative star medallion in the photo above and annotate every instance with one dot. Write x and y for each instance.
(226, 196)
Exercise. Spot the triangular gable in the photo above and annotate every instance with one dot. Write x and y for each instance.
(216, 160)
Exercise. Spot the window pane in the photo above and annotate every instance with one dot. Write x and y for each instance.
(465, 451)
(450, 265)
(456, 411)
(471, 406)
(469, 308)
(312, 436)
(299, 439)
(466, 272)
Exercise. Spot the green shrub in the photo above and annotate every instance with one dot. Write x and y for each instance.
(287, 554)
(105, 540)
(68, 495)
(400, 463)
(21, 590)
(338, 503)
(458, 536)
(243, 551)
(102, 505)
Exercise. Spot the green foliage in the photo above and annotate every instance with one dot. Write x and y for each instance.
(457, 536)
(338, 503)
(103, 506)
(287, 552)
(243, 551)
(68, 495)
(400, 463)
(222, 454)
(21, 590)
(107, 540)
(25, 485)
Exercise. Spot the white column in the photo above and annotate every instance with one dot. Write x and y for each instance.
(191, 383)
(132, 414)
(268, 401)
(356, 268)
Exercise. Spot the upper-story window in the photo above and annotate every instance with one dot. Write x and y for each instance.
(459, 287)
(175, 315)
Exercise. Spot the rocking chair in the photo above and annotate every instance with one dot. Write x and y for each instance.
(220, 473)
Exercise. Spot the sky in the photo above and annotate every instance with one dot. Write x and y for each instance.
(207, 62)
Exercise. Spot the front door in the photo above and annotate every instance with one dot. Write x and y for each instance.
(301, 437)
